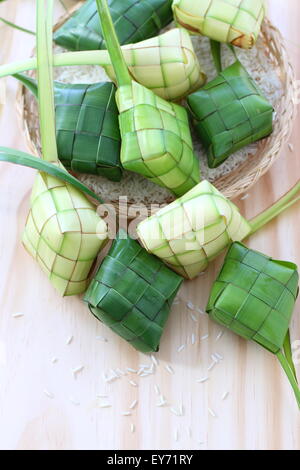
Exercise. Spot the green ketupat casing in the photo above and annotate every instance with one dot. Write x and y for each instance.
(193, 230)
(156, 139)
(236, 22)
(230, 112)
(254, 296)
(132, 293)
(134, 20)
(63, 231)
(87, 129)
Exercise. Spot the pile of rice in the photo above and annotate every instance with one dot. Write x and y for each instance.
(140, 190)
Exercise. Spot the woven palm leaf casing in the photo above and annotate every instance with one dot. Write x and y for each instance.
(166, 64)
(63, 233)
(132, 293)
(156, 139)
(254, 296)
(134, 20)
(230, 112)
(87, 129)
(193, 230)
(236, 22)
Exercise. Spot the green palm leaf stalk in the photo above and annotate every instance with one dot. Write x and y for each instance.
(236, 22)
(134, 20)
(156, 138)
(87, 128)
(254, 296)
(63, 231)
(230, 112)
(132, 293)
(166, 64)
(193, 230)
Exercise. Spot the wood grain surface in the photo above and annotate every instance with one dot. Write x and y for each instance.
(260, 411)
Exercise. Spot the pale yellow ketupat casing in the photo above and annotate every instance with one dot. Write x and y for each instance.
(63, 231)
(166, 64)
(236, 22)
(193, 230)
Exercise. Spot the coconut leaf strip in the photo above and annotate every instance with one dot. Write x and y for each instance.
(24, 159)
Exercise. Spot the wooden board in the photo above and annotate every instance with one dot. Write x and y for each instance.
(259, 412)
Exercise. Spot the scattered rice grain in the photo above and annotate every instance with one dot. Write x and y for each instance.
(133, 404)
(193, 317)
(181, 348)
(48, 394)
(102, 338)
(169, 369)
(18, 315)
(190, 306)
(133, 383)
(132, 428)
(201, 381)
(225, 395)
(219, 335)
(204, 337)
(212, 413)
(69, 340)
(77, 370)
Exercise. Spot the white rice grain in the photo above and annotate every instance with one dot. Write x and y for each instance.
(133, 404)
(48, 394)
(133, 383)
(212, 413)
(169, 369)
(18, 315)
(69, 340)
(181, 348)
(201, 381)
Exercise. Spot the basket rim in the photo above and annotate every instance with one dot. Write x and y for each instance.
(269, 147)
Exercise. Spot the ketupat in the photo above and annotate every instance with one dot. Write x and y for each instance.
(230, 112)
(156, 139)
(170, 57)
(87, 127)
(63, 231)
(166, 64)
(254, 296)
(134, 20)
(193, 230)
(237, 22)
(132, 293)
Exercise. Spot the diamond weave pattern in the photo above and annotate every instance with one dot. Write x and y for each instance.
(255, 296)
(132, 293)
(193, 230)
(156, 139)
(134, 20)
(230, 112)
(61, 233)
(87, 129)
(236, 22)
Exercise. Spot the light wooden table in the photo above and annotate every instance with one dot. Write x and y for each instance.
(260, 411)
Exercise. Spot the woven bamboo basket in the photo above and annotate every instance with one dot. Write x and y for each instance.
(247, 173)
